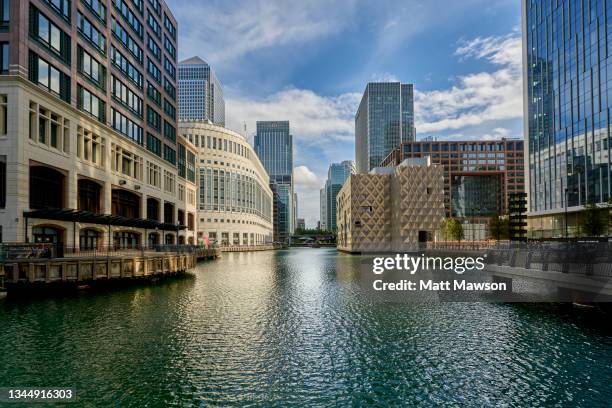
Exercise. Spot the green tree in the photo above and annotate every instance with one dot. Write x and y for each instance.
(452, 229)
(591, 221)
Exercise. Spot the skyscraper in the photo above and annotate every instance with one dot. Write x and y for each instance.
(567, 101)
(323, 209)
(336, 176)
(274, 146)
(385, 118)
(200, 92)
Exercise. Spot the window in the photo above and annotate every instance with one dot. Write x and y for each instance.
(127, 40)
(156, 6)
(169, 131)
(46, 74)
(182, 161)
(169, 88)
(126, 126)
(139, 5)
(154, 174)
(169, 182)
(153, 93)
(169, 47)
(97, 8)
(128, 16)
(169, 154)
(191, 159)
(90, 147)
(129, 70)
(48, 128)
(152, 21)
(2, 181)
(91, 68)
(5, 13)
(169, 26)
(169, 109)
(154, 144)
(49, 34)
(154, 48)
(87, 29)
(170, 70)
(126, 96)
(91, 104)
(154, 71)
(153, 119)
(126, 163)
(61, 7)
(4, 57)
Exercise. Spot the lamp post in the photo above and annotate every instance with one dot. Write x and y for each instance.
(566, 235)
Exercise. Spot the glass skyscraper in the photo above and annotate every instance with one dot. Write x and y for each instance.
(385, 118)
(567, 79)
(336, 176)
(200, 92)
(274, 146)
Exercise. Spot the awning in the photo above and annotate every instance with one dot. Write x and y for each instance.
(67, 214)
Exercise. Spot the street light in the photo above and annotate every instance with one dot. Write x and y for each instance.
(566, 191)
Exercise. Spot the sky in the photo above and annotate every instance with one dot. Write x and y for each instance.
(309, 61)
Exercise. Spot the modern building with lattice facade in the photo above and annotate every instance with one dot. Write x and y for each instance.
(391, 209)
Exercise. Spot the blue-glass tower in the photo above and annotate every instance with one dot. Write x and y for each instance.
(336, 176)
(200, 92)
(567, 77)
(274, 147)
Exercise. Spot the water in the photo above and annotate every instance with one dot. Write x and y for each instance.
(296, 328)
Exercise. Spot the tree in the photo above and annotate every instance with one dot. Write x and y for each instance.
(499, 228)
(452, 229)
(591, 222)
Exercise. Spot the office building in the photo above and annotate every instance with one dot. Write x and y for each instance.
(337, 174)
(567, 95)
(234, 194)
(274, 147)
(323, 209)
(385, 118)
(301, 224)
(200, 92)
(479, 176)
(88, 120)
(391, 208)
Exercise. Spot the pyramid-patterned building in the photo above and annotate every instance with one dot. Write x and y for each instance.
(391, 209)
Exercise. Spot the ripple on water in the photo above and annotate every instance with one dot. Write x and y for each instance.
(296, 328)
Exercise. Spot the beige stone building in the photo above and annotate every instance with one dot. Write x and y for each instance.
(234, 195)
(391, 209)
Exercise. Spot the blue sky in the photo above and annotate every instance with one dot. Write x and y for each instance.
(308, 62)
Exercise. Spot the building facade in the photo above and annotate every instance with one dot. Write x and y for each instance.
(391, 209)
(337, 174)
(323, 209)
(567, 73)
(235, 201)
(200, 92)
(88, 145)
(384, 119)
(479, 176)
(274, 147)
(301, 224)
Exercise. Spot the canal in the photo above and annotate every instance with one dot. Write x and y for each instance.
(295, 327)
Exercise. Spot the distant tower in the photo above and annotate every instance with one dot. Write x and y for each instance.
(200, 92)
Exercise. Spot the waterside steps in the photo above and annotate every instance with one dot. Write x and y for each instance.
(82, 268)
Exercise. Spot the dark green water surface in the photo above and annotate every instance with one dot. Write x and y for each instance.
(296, 328)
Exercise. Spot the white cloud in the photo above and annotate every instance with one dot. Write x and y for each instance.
(476, 98)
(305, 178)
(314, 118)
(223, 31)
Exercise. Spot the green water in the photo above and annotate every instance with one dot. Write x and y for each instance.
(297, 328)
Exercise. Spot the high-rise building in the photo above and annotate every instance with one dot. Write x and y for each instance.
(89, 118)
(200, 92)
(323, 209)
(479, 176)
(567, 106)
(385, 118)
(337, 174)
(301, 224)
(274, 146)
